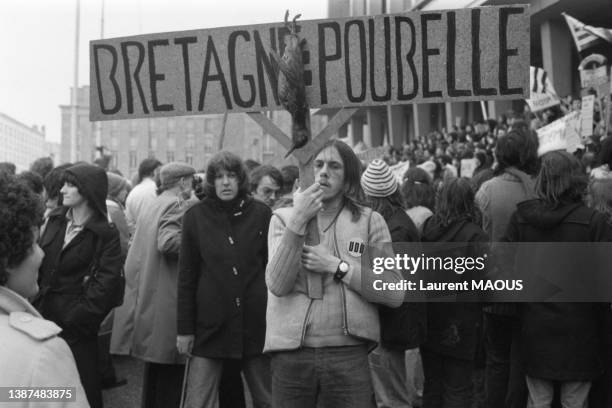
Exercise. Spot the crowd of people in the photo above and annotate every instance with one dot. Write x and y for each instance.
(235, 271)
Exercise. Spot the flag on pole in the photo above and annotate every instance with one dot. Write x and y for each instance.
(586, 36)
(539, 81)
(543, 94)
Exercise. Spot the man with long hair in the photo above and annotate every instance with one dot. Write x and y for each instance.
(320, 338)
(561, 342)
(452, 328)
(516, 155)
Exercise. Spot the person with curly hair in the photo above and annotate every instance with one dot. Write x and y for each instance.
(32, 353)
(221, 288)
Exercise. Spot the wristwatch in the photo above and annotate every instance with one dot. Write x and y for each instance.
(341, 271)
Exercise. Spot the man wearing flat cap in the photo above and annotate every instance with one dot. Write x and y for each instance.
(145, 325)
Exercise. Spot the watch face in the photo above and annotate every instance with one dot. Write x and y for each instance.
(343, 267)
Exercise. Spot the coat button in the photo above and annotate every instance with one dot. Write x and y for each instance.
(238, 302)
(235, 271)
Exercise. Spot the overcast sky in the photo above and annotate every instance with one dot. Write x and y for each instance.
(37, 39)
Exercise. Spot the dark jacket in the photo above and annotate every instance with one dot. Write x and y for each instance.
(222, 292)
(453, 328)
(68, 295)
(404, 327)
(560, 341)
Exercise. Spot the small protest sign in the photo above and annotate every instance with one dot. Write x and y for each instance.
(543, 94)
(586, 116)
(367, 156)
(399, 169)
(562, 134)
(416, 57)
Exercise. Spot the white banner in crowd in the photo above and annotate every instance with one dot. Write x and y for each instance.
(586, 116)
(468, 166)
(562, 134)
(399, 169)
(543, 94)
(367, 156)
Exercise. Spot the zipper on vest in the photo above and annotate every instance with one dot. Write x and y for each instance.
(306, 322)
(344, 319)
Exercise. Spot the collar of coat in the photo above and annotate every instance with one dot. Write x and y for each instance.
(234, 207)
(96, 223)
(11, 301)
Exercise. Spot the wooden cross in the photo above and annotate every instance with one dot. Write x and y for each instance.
(305, 155)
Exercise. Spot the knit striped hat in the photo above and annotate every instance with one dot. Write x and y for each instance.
(377, 180)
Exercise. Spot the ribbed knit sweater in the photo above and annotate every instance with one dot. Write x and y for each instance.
(324, 325)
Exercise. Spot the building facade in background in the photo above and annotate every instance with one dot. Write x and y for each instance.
(21, 144)
(190, 139)
(552, 48)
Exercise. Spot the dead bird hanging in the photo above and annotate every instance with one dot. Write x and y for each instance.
(291, 88)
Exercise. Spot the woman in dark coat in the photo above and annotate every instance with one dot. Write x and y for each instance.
(81, 274)
(561, 342)
(222, 293)
(452, 328)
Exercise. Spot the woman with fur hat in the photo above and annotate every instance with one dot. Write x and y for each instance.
(81, 274)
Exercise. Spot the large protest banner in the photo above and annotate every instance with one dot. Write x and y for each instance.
(416, 57)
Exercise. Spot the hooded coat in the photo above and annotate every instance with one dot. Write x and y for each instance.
(70, 295)
(560, 341)
(453, 328)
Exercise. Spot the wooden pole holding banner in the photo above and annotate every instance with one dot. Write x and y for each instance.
(484, 111)
(305, 155)
(222, 135)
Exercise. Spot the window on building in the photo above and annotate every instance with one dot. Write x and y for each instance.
(133, 142)
(170, 156)
(171, 142)
(153, 143)
(190, 141)
(208, 143)
(190, 124)
(114, 142)
(133, 160)
(210, 125)
(189, 157)
(171, 125)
